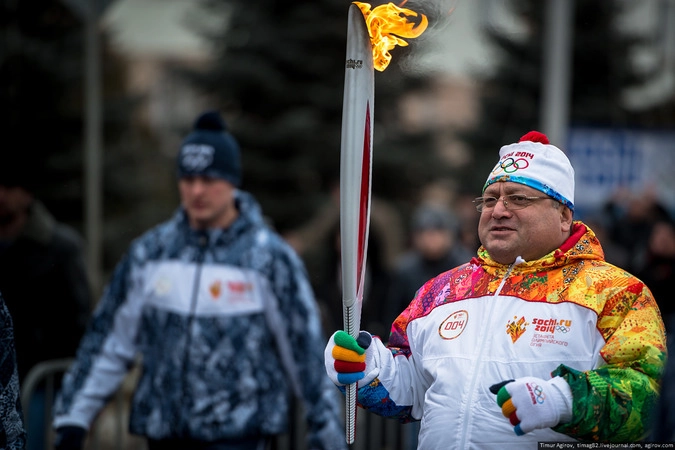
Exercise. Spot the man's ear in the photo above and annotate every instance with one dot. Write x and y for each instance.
(566, 219)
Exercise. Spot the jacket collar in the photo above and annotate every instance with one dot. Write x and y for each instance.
(581, 245)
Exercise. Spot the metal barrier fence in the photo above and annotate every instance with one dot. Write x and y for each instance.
(109, 432)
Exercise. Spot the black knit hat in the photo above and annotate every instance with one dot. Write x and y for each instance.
(434, 217)
(210, 150)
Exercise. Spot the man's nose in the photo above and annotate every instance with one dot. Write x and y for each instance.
(500, 208)
(198, 185)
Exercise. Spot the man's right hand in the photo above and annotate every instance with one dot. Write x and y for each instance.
(70, 438)
(345, 357)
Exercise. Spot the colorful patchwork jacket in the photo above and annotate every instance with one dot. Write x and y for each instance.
(569, 314)
(226, 328)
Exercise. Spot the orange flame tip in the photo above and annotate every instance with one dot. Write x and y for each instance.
(385, 24)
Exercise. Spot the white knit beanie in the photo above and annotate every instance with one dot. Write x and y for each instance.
(532, 161)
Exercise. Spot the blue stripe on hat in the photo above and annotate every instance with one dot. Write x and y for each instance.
(546, 189)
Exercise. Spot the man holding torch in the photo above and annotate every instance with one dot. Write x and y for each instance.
(536, 339)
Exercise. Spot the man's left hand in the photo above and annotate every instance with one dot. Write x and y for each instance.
(531, 403)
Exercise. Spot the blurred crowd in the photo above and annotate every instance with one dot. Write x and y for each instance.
(637, 233)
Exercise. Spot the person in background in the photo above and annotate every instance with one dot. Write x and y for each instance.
(219, 310)
(631, 218)
(658, 269)
(615, 253)
(43, 279)
(434, 249)
(536, 339)
(12, 432)
(468, 220)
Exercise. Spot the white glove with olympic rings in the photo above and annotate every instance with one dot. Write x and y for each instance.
(531, 403)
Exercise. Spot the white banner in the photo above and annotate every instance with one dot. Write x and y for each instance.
(606, 160)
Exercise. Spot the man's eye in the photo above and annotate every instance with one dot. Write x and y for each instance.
(489, 201)
(517, 198)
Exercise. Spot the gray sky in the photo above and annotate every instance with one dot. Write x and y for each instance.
(159, 27)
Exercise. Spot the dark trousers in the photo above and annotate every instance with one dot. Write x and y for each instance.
(256, 443)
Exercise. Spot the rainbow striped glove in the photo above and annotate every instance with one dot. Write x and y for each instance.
(531, 403)
(345, 357)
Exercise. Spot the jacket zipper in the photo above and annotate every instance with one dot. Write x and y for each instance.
(480, 361)
(203, 241)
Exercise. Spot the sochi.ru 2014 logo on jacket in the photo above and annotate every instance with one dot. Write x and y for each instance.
(546, 331)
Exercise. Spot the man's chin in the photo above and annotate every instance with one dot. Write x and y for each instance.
(501, 254)
(201, 221)
(198, 213)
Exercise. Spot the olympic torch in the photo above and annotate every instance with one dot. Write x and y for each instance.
(355, 181)
(370, 36)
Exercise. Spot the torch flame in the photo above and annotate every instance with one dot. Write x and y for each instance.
(386, 21)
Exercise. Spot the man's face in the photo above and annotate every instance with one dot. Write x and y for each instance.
(433, 243)
(14, 200)
(531, 232)
(209, 202)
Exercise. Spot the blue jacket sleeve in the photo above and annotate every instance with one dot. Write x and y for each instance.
(104, 356)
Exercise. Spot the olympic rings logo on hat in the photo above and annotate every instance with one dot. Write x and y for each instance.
(510, 165)
(196, 157)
